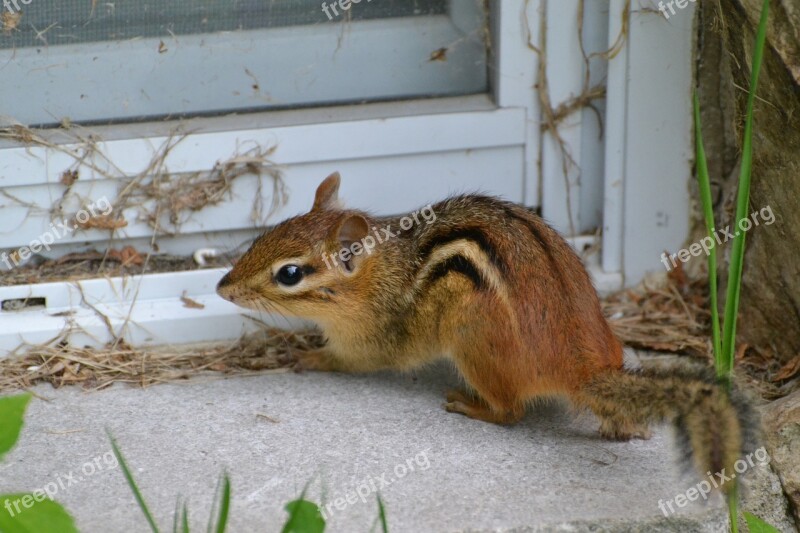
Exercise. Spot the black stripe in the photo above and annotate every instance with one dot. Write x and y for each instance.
(511, 212)
(461, 265)
(537, 235)
(473, 234)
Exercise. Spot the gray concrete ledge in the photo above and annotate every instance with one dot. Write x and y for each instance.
(551, 472)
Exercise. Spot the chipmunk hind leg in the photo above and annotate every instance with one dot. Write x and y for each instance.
(495, 395)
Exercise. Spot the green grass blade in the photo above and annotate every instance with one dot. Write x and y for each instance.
(132, 484)
(213, 512)
(176, 516)
(180, 523)
(185, 518)
(224, 505)
(742, 206)
(382, 515)
(733, 508)
(704, 183)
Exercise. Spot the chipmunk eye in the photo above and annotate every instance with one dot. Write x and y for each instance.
(289, 275)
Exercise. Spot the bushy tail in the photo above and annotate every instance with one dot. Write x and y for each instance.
(715, 429)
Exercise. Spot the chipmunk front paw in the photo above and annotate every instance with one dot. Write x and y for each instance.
(319, 360)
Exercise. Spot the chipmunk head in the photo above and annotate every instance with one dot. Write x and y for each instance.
(306, 266)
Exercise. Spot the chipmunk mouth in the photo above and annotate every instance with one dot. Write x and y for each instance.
(244, 297)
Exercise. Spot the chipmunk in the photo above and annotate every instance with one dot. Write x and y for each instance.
(490, 287)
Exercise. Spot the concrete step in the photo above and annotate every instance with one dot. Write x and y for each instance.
(347, 436)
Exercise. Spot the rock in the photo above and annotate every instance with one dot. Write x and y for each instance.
(783, 30)
(781, 421)
(763, 496)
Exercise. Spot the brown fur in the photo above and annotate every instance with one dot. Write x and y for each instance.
(489, 286)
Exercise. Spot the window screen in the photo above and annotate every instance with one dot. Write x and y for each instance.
(54, 22)
(94, 61)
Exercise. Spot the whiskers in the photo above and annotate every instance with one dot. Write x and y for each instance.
(273, 308)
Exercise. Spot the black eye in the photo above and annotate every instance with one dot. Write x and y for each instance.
(289, 275)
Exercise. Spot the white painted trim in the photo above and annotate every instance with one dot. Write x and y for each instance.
(331, 141)
(565, 74)
(593, 138)
(390, 165)
(158, 316)
(659, 148)
(516, 65)
(615, 154)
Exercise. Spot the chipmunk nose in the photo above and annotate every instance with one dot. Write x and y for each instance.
(223, 283)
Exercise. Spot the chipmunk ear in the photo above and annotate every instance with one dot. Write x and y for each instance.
(351, 236)
(327, 196)
(353, 229)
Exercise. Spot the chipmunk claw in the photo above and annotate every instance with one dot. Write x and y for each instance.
(318, 360)
(459, 402)
(456, 407)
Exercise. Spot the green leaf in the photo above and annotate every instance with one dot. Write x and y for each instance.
(44, 516)
(304, 517)
(742, 206)
(132, 483)
(756, 525)
(12, 413)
